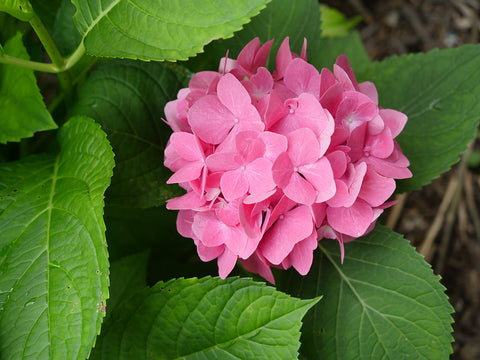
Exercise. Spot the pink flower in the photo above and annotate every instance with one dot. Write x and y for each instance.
(273, 162)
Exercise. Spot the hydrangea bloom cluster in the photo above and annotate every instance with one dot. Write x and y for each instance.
(273, 162)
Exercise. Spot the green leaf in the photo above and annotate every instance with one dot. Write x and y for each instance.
(206, 318)
(170, 30)
(127, 277)
(440, 93)
(23, 110)
(382, 301)
(334, 23)
(66, 35)
(47, 11)
(53, 255)
(21, 9)
(281, 18)
(127, 98)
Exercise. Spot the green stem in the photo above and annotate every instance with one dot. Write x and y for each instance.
(47, 41)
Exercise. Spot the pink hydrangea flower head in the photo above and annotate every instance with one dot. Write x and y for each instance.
(273, 162)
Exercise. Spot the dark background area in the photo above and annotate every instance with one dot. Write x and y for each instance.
(442, 220)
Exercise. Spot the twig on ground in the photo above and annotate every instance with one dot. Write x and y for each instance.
(396, 211)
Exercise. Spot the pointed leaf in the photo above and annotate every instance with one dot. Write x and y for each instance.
(127, 98)
(21, 9)
(206, 318)
(382, 301)
(281, 18)
(23, 110)
(440, 93)
(53, 255)
(170, 30)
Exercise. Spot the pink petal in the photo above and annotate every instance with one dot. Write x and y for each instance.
(288, 230)
(188, 201)
(353, 220)
(206, 253)
(302, 77)
(222, 161)
(275, 144)
(233, 95)
(343, 63)
(227, 212)
(247, 54)
(320, 175)
(262, 55)
(234, 184)
(176, 114)
(282, 170)
(368, 88)
(187, 146)
(338, 161)
(259, 176)
(300, 190)
(376, 189)
(188, 172)
(301, 256)
(395, 120)
(303, 147)
(284, 56)
(210, 120)
(184, 223)
(381, 145)
(249, 146)
(226, 262)
(258, 265)
(272, 109)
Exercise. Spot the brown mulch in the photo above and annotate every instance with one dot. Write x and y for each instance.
(442, 220)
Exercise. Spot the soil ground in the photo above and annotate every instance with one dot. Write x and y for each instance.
(441, 220)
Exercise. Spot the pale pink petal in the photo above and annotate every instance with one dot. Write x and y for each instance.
(226, 262)
(338, 161)
(249, 146)
(343, 64)
(176, 114)
(381, 145)
(249, 222)
(227, 212)
(226, 65)
(341, 196)
(320, 175)
(303, 52)
(204, 80)
(293, 227)
(272, 108)
(259, 84)
(303, 147)
(353, 220)
(187, 146)
(234, 184)
(210, 120)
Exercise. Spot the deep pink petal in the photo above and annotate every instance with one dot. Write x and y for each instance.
(293, 227)
(262, 55)
(249, 146)
(233, 95)
(272, 109)
(284, 56)
(381, 145)
(246, 56)
(210, 120)
(338, 161)
(234, 184)
(227, 212)
(343, 64)
(353, 220)
(275, 144)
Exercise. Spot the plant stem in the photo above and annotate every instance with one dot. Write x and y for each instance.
(47, 41)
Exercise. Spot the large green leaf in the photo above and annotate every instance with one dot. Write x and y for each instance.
(206, 318)
(23, 109)
(21, 9)
(440, 93)
(53, 255)
(164, 30)
(382, 302)
(127, 98)
(281, 18)
(47, 11)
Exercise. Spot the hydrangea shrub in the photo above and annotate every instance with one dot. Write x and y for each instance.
(274, 162)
